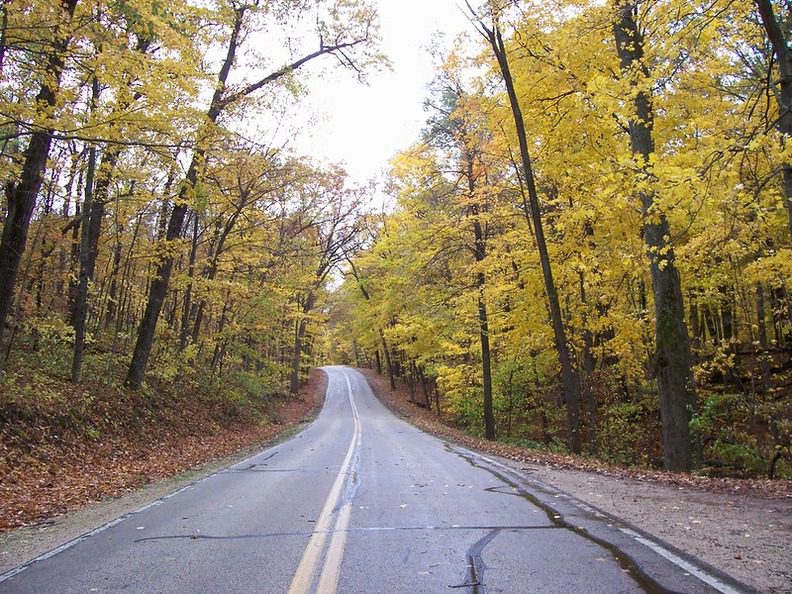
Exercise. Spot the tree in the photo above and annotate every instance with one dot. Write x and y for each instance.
(672, 357)
(455, 134)
(356, 34)
(21, 193)
(569, 378)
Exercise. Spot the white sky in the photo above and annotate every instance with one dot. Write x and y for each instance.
(364, 126)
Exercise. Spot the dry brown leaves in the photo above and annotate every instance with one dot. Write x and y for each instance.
(41, 480)
(431, 422)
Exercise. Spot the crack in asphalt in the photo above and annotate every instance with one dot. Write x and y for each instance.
(198, 536)
(646, 582)
(352, 484)
(476, 565)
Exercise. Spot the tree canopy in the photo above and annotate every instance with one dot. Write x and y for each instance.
(630, 166)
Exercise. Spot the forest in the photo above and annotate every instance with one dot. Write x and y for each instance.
(588, 249)
(164, 252)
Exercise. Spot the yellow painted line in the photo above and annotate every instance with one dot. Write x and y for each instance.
(328, 580)
(303, 577)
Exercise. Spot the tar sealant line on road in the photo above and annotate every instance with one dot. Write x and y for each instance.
(303, 577)
(698, 572)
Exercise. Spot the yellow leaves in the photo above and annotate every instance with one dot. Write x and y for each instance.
(775, 269)
(458, 384)
(713, 174)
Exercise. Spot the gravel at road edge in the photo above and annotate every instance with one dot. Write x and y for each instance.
(747, 538)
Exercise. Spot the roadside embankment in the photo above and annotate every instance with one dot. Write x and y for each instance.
(66, 446)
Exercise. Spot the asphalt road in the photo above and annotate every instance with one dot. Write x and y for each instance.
(361, 502)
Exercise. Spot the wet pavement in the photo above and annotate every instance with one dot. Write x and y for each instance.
(362, 502)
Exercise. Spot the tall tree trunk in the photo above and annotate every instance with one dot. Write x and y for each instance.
(777, 35)
(299, 336)
(388, 362)
(672, 355)
(480, 252)
(187, 306)
(74, 259)
(21, 195)
(486, 364)
(81, 303)
(569, 378)
(95, 215)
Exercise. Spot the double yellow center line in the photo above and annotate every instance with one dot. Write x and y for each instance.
(328, 579)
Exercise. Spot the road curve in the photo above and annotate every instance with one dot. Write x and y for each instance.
(361, 502)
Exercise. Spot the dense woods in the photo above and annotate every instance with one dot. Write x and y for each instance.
(154, 227)
(166, 253)
(589, 248)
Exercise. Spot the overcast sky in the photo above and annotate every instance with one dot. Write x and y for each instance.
(364, 126)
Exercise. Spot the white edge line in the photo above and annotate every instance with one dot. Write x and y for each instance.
(69, 544)
(78, 539)
(699, 572)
